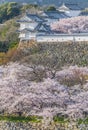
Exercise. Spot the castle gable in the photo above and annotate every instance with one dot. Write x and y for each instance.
(44, 14)
(43, 28)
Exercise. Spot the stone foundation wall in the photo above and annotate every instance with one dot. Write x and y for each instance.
(26, 44)
(40, 126)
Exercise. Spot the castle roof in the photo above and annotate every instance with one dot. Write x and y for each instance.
(73, 6)
(35, 17)
(54, 15)
(57, 14)
(26, 30)
(63, 7)
(84, 13)
(31, 18)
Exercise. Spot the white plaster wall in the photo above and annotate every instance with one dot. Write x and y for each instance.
(31, 25)
(27, 36)
(81, 38)
(54, 39)
(22, 35)
(22, 26)
(61, 38)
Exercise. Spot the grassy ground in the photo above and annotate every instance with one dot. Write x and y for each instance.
(83, 121)
(60, 119)
(20, 119)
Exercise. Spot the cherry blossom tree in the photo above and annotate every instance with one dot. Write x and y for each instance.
(71, 25)
(19, 95)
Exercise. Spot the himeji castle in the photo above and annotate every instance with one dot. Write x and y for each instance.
(37, 27)
(31, 25)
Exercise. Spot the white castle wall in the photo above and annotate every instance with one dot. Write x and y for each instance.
(27, 36)
(61, 38)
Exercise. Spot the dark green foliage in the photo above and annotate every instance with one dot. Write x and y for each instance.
(12, 9)
(8, 35)
(51, 8)
(8, 11)
(29, 6)
(3, 47)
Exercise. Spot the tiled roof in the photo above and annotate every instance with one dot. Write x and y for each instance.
(35, 17)
(65, 34)
(26, 30)
(73, 6)
(56, 14)
(31, 18)
(84, 13)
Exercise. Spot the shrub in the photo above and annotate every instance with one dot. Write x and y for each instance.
(73, 76)
(51, 8)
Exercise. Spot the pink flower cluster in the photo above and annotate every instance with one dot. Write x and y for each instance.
(71, 25)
